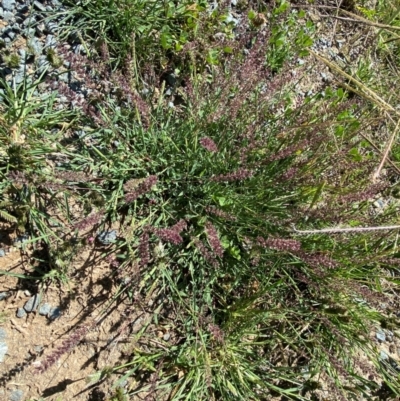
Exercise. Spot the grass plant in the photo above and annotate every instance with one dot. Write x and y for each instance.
(205, 189)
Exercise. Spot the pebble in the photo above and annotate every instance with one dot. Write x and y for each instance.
(28, 21)
(50, 41)
(54, 313)
(8, 16)
(381, 336)
(8, 4)
(51, 27)
(39, 6)
(2, 253)
(38, 348)
(21, 313)
(3, 350)
(32, 303)
(107, 237)
(166, 336)
(4, 295)
(383, 356)
(16, 395)
(42, 65)
(36, 46)
(21, 240)
(44, 309)
(40, 28)
(3, 334)
(171, 79)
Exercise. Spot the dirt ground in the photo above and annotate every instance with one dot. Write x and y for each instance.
(32, 338)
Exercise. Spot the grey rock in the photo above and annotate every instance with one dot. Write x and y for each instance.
(51, 27)
(42, 65)
(2, 253)
(79, 49)
(16, 395)
(381, 336)
(22, 8)
(39, 6)
(3, 351)
(107, 237)
(19, 77)
(35, 45)
(166, 336)
(3, 334)
(29, 32)
(28, 21)
(54, 313)
(4, 295)
(230, 19)
(38, 348)
(11, 34)
(171, 79)
(383, 356)
(32, 303)
(44, 309)
(21, 313)
(50, 41)
(40, 29)
(8, 16)
(9, 5)
(21, 240)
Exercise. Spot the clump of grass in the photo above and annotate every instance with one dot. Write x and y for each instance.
(206, 193)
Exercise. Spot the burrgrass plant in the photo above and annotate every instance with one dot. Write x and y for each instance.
(207, 194)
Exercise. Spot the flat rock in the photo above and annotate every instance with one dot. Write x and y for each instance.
(4, 295)
(21, 313)
(3, 334)
(32, 303)
(16, 395)
(9, 5)
(3, 350)
(44, 309)
(107, 237)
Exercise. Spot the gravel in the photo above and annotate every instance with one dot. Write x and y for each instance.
(21, 240)
(107, 237)
(381, 336)
(44, 309)
(16, 395)
(21, 313)
(8, 5)
(3, 334)
(54, 313)
(32, 303)
(4, 295)
(3, 350)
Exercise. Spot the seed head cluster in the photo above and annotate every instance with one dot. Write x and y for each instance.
(209, 144)
(144, 187)
(213, 239)
(171, 234)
